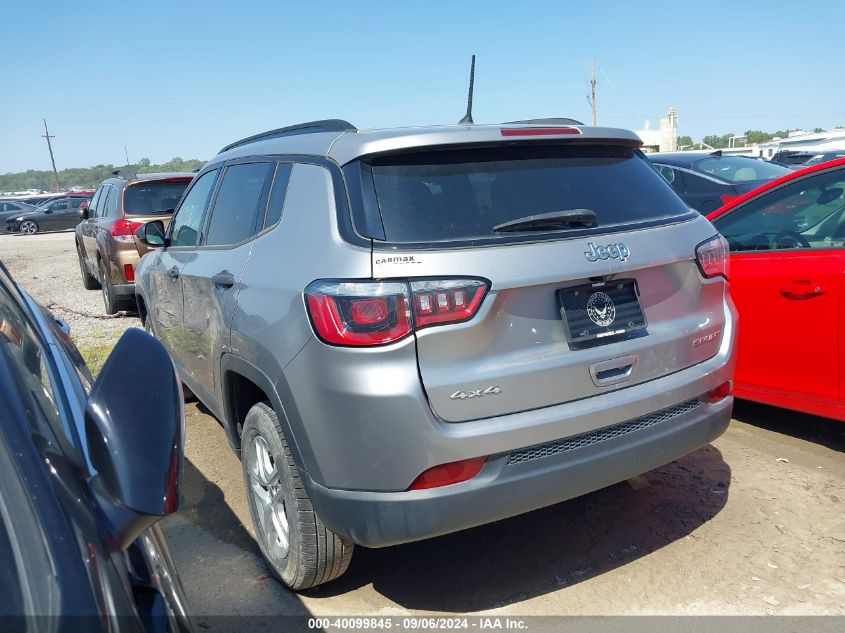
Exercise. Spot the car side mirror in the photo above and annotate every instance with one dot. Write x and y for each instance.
(152, 234)
(82, 213)
(135, 430)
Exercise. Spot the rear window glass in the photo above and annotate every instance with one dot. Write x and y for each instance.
(153, 198)
(737, 169)
(462, 194)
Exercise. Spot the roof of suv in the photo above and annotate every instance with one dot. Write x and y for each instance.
(172, 175)
(342, 142)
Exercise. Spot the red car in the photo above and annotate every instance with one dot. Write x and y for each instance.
(787, 268)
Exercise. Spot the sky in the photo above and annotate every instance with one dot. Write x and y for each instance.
(184, 78)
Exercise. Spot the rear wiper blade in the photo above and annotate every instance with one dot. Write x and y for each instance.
(555, 220)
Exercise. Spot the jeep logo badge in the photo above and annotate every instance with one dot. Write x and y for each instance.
(611, 251)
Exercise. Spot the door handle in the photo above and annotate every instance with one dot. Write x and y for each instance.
(223, 280)
(173, 273)
(802, 289)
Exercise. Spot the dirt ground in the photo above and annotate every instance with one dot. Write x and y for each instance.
(753, 524)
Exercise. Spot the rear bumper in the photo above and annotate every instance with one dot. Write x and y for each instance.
(520, 481)
(124, 290)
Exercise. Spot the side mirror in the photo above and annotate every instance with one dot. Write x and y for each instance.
(152, 234)
(82, 213)
(135, 429)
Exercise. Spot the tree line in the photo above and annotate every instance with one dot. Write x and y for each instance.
(750, 137)
(89, 177)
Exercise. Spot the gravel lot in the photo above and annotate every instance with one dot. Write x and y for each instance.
(753, 524)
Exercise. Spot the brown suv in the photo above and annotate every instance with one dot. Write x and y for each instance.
(105, 239)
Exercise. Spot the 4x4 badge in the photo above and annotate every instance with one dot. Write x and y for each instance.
(611, 251)
(493, 390)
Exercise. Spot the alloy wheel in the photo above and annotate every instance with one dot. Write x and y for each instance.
(28, 227)
(268, 495)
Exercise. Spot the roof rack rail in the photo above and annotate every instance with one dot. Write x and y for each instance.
(311, 127)
(546, 121)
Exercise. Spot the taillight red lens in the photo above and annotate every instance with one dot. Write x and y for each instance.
(124, 230)
(359, 313)
(713, 257)
(446, 300)
(727, 197)
(451, 473)
(129, 272)
(363, 313)
(720, 392)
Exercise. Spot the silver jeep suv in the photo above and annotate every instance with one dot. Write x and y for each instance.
(409, 332)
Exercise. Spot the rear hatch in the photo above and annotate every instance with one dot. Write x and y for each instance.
(149, 200)
(602, 294)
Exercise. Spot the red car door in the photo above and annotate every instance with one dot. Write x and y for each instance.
(789, 310)
(787, 265)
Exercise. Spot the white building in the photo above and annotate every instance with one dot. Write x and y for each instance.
(816, 142)
(664, 138)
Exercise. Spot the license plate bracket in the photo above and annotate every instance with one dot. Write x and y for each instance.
(601, 312)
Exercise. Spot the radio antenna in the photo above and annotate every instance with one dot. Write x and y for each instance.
(467, 120)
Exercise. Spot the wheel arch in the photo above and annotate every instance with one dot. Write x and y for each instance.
(243, 385)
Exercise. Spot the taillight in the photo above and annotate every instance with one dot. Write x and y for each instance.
(451, 473)
(359, 312)
(713, 257)
(727, 197)
(365, 313)
(446, 301)
(129, 272)
(124, 230)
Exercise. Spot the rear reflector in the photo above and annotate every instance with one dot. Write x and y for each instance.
(451, 473)
(539, 131)
(129, 272)
(719, 393)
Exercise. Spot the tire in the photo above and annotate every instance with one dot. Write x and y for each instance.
(28, 227)
(312, 554)
(110, 302)
(89, 281)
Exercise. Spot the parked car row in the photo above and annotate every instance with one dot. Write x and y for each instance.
(410, 332)
(56, 214)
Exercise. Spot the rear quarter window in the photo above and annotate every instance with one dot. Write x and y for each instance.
(460, 195)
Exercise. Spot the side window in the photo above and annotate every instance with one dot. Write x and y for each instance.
(92, 213)
(104, 200)
(185, 228)
(807, 213)
(277, 194)
(111, 203)
(77, 202)
(58, 207)
(697, 184)
(234, 217)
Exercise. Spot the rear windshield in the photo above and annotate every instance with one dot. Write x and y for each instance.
(738, 169)
(458, 195)
(153, 198)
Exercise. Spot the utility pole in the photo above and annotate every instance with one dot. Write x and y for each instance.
(50, 147)
(593, 90)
